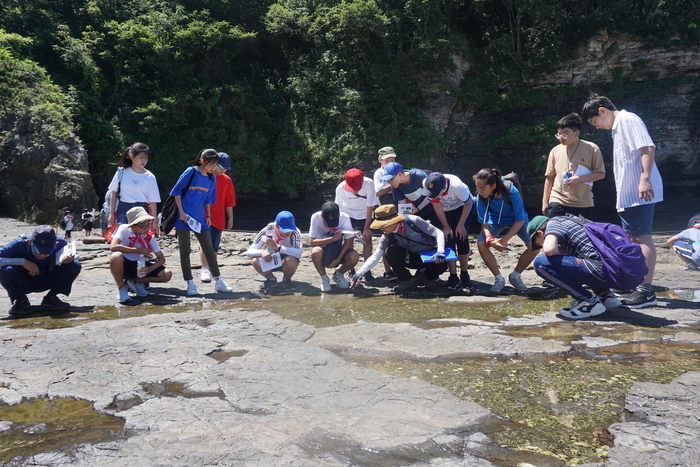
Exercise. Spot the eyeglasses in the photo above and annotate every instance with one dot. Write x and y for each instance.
(144, 225)
(564, 135)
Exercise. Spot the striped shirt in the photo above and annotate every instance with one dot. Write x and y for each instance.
(574, 242)
(629, 136)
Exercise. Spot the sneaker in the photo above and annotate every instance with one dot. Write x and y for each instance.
(340, 280)
(465, 280)
(390, 276)
(621, 293)
(19, 306)
(610, 300)
(221, 286)
(583, 309)
(517, 282)
(137, 287)
(640, 299)
(287, 285)
(548, 285)
(205, 276)
(52, 301)
(325, 283)
(408, 285)
(369, 278)
(123, 295)
(453, 282)
(498, 285)
(268, 284)
(192, 289)
(691, 267)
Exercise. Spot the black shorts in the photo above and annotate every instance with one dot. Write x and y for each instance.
(332, 250)
(131, 266)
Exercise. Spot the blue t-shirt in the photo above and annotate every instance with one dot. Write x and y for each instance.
(202, 191)
(498, 212)
(412, 191)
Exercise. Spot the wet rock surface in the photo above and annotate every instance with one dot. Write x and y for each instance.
(224, 384)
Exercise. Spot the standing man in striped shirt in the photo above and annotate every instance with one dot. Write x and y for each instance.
(637, 181)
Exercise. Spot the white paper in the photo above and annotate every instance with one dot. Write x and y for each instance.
(581, 170)
(68, 250)
(405, 208)
(357, 235)
(267, 265)
(194, 224)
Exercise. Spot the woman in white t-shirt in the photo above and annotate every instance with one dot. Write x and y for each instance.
(133, 186)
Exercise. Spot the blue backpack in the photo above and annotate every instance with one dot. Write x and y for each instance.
(624, 265)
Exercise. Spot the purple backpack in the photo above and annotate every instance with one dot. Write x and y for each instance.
(624, 265)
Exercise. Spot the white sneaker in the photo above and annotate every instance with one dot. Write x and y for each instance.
(123, 295)
(325, 283)
(498, 285)
(340, 280)
(220, 286)
(192, 289)
(610, 301)
(517, 282)
(137, 287)
(205, 276)
(583, 309)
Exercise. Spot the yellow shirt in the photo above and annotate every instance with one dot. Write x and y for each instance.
(588, 155)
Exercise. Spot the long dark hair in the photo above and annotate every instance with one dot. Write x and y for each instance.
(490, 177)
(206, 156)
(132, 150)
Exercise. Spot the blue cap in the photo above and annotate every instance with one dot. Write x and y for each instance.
(224, 161)
(44, 239)
(391, 169)
(285, 222)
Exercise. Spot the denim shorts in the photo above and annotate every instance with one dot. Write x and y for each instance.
(638, 220)
(123, 208)
(497, 229)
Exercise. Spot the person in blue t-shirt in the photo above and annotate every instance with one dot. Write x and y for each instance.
(408, 185)
(500, 207)
(28, 264)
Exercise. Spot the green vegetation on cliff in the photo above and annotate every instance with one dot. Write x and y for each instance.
(294, 90)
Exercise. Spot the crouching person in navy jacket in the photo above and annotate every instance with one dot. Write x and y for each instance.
(28, 264)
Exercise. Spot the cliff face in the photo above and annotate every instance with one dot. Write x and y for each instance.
(671, 113)
(41, 176)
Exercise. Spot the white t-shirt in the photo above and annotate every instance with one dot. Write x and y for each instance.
(380, 184)
(130, 238)
(320, 230)
(355, 205)
(136, 187)
(457, 195)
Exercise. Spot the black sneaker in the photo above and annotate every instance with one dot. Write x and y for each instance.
(368, 277)
(622, 293)
(390, 276)
(453, 283)
(268, 284)
(19, 306)
(465, 280)
(52, 301)
(640, 299)
(412, 283)
(287, 285)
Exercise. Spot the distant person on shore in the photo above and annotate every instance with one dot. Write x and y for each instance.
(331, 239)
(133, 185)
(67, 225)
(570, 261)
(407, 186)
(686, 245)
(282, 237)
(384, 195)
(499, 207)
(87, 218)
(221, 211)
(454, 206)
(28, 264)
(403, 239)
(195, 216)
(356, 197)
(133, 242)
(572, 167)
(637, 181)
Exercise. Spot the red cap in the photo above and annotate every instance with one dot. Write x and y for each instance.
(354, 179)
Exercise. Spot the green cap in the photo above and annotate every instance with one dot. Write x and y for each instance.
(535, 225)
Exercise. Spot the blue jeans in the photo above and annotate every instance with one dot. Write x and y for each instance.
(215, 235)
(569, 272)
(123, 208)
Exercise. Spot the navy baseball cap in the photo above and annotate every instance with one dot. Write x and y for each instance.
(224, 161)
(44, 239)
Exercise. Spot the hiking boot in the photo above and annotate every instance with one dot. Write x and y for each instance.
(408, 285)
(498, 285)
(453, 283)
(268, 284)
(369, 278)
(19, 306)
(517, 282)
(340, 280)
(583, 309)
(325, 283)
(137, 288)
(192, 289)
(287, 285)
(640, 299)
(205, 276)
(52, 301)
(610, 300)
(390, 276)
(123, 295)
(221, 287)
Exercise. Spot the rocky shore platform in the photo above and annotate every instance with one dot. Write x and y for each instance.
(255, 389)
